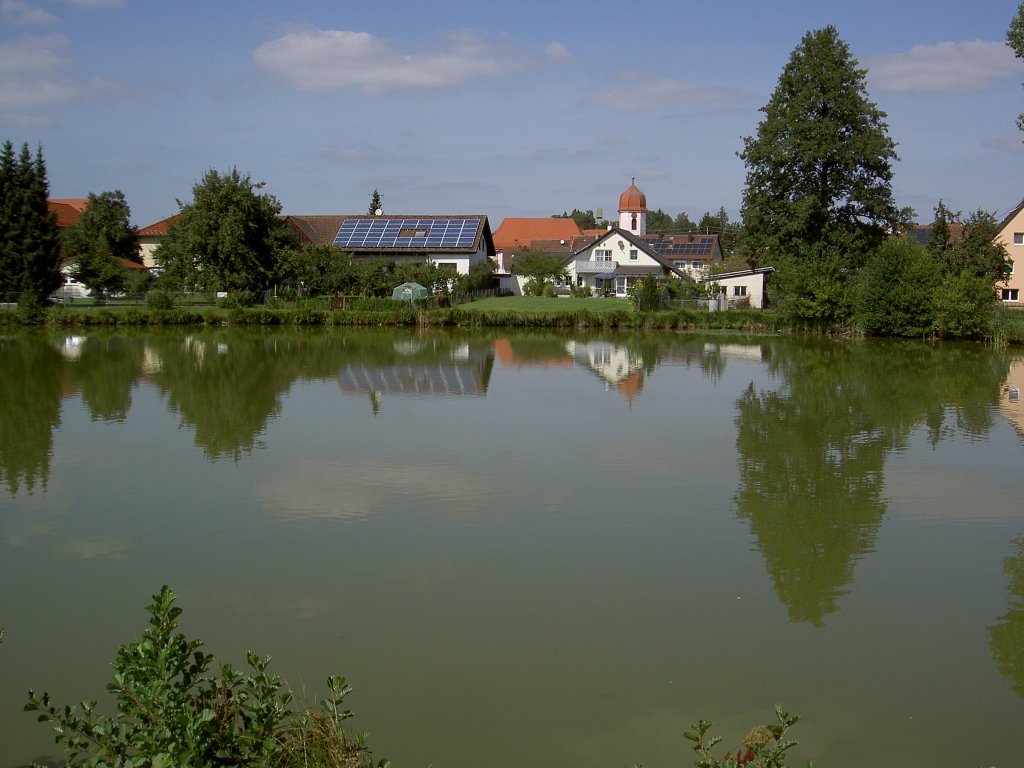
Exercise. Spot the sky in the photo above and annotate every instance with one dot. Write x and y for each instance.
(506, 109)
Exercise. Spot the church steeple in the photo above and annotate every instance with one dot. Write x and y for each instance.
(633, 210)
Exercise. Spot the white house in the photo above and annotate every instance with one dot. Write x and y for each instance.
(746, 287)
(616, 260)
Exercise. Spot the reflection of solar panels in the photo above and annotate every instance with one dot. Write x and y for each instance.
(437, 379)
(668, 248)
(413, 234)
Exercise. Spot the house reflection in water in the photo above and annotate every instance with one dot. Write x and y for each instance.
(620, 368)
(1010, 396)
(421, 370)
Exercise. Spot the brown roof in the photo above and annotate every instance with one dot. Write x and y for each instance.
(317, 230)
(68, 209)
(159, 228)
(520, 233)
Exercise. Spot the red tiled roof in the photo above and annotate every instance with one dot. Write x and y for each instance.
(159, 228)
(519, 233)
(68, 210)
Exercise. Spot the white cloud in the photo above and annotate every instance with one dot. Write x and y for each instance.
(636, 92)
(21, 13)
(30, 74)
(948, 67)
(316, 59)
(558, 54)
(33, 55)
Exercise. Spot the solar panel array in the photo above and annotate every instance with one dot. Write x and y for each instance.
(668, 248)
(414, 234)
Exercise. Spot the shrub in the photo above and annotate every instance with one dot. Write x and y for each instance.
(159, 298)
(548, 291)
(964, 307)
(894, 292)
(174, 710)
(764, 746)
(239, 299)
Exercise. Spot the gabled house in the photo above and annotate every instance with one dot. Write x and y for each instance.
(1011, 235)
(613, 262)
(455, 243)
(150, 237)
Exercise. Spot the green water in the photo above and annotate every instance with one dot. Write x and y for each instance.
(532, 548)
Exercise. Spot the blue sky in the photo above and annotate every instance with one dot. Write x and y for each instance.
(508, 109)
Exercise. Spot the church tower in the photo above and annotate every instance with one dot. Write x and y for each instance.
(633, 210)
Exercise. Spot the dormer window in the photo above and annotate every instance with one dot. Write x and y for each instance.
(414, 232)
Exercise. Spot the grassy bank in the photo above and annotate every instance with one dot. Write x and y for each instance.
(502, 312)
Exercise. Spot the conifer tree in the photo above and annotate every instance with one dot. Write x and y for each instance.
(29, 240)
(819, 170)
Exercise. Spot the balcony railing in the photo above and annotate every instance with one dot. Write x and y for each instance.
(595, 267)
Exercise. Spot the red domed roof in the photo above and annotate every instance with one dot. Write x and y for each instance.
(632, 199)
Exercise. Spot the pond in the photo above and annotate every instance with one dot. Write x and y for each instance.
(532, 548)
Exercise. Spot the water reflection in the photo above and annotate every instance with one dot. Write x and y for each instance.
(424, 366)
(1006, 639)
(812, 451)
(33, 380)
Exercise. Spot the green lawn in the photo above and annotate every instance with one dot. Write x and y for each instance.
(539, 304)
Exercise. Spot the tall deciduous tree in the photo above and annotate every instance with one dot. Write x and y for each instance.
(105, 226)
(228, 237)
(29, 241)
(102, 235)
(819, 170)
(1015, 39)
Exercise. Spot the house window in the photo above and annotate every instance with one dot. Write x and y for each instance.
(1013, 394)
(602, 255)
(448, 266)
(413, 232)
(632, 222)
(739, 290)
(697, 264)
(1018, 238)
(1009, 264)
(1010, 294)
(632, 254)
(679, 264)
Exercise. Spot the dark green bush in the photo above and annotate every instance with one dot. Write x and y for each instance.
(158, 298)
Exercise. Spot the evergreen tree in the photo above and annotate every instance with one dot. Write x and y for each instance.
(29, 241)
(682, 223)
(375, 203)
(940, 240)
(228, 238)
(819, 170)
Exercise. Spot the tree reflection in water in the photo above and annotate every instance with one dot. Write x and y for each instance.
(812, 451)
(33, 378)
(1006, 639)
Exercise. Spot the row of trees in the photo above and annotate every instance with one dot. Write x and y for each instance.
(29, 241)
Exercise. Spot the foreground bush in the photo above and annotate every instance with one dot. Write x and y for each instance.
(765, 746)
(172, 710)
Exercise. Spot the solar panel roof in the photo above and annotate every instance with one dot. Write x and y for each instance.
(441, 234)
(668, 248)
